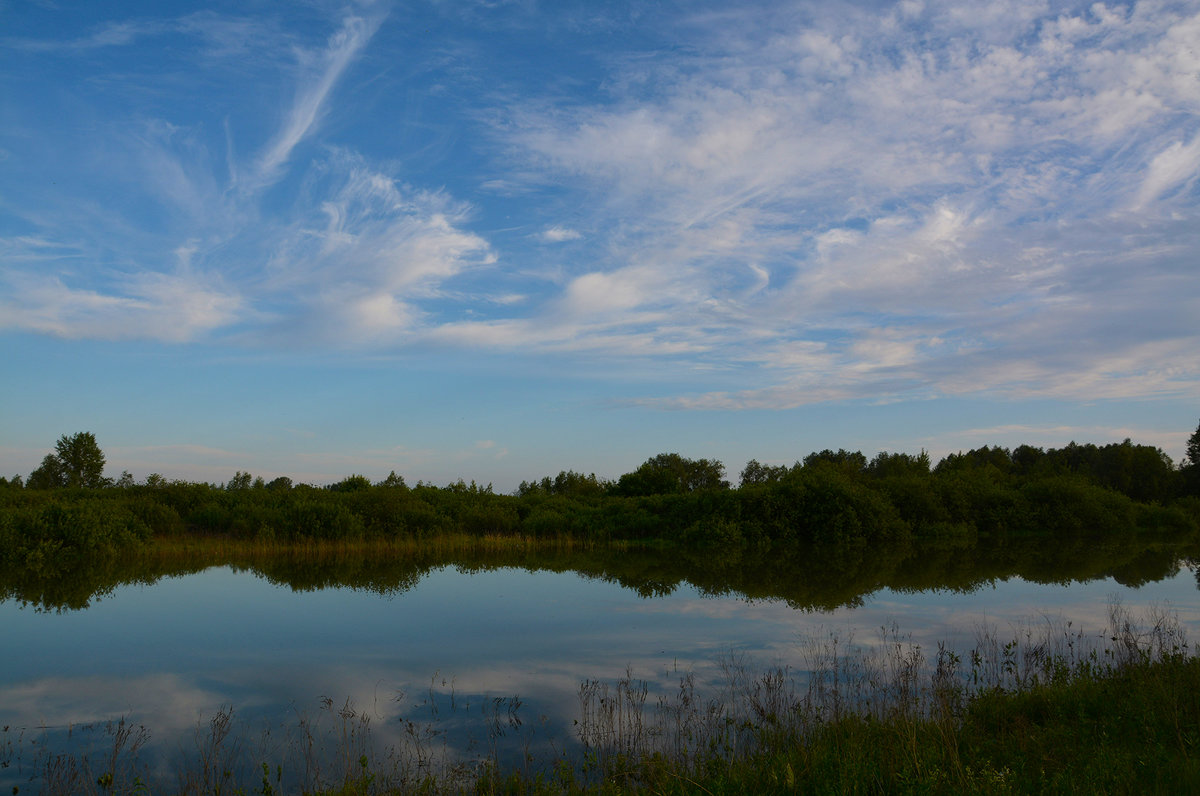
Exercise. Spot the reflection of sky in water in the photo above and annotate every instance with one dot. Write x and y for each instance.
(171, 654)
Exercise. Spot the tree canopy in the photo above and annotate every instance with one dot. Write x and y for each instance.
(1193, 448)
(670, 473)
(77, 461)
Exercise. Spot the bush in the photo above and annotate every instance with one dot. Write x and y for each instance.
(1068, 503)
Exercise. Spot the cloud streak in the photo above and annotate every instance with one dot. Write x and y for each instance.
(312, 94)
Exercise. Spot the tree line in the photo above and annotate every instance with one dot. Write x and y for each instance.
(67, 508)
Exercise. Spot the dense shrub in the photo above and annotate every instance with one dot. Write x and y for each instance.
(832, 498)
(1070, 503)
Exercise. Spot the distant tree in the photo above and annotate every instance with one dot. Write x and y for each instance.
(1192, 456)
(48, 475)
(1191, 467)
(240, 480)
(1026, 459)
(670, 473)
(351, 483)
(280, 484)
(994, 459)
(890, 465)
(126, 480)
(852, 462)
(567, 483)
(393, 480)
(155, 481)
(573, 484)
(755, 473)
(82, 460)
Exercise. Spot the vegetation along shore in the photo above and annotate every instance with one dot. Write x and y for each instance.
(67, 508)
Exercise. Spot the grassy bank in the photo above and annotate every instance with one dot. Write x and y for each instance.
(1133, 730)
(1050, 711)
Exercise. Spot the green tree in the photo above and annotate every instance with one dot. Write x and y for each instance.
(239, 481)
(351, 483)
(891, 465)
(755, 473)
(849, 462)
(1193, 449)
(393, 480)
(48, 475)
(77, 461)
(1191, 466)
(670, 473)
(81, 459)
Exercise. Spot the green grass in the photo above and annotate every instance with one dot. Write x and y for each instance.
(1132, 729)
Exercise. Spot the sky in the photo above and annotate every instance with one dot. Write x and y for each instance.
(494, 240)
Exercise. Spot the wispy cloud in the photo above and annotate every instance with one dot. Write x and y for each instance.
(369, 248)
(946, 201)
(113, 34)
(312, 92)
(557, 234)
(169, 307)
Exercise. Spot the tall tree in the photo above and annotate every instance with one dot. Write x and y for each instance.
(77, 461)
(1191, 467)
(48, 475)
(81, 459)
(670, 473)
(1193, 449)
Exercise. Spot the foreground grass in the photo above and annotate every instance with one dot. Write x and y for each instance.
(1134, 730)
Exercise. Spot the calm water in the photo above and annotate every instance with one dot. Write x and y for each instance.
(448, 642)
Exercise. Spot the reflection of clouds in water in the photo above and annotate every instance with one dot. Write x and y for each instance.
(716, 608)
(167, 702)
(393, 659)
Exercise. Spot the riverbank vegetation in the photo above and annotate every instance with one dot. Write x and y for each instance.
(67, 510)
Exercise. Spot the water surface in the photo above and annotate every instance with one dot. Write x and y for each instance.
(479, 644)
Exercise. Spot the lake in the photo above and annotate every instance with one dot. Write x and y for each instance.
(479, 655)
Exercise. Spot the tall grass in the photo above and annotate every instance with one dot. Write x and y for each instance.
(1050, 709)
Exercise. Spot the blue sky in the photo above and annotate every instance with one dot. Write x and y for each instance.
(494, 240)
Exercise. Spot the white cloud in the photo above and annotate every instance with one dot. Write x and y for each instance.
(1176, 166)
(357, 265)
(557, 234)
(170, 307)
(311, 95)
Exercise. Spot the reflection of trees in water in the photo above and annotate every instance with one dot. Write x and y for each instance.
(806, 577)
(73, 585)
